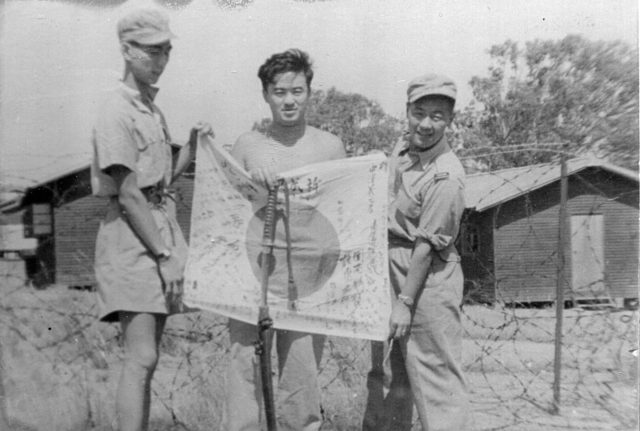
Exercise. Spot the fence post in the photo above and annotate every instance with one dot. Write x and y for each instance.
(560, 283)
(4, 421)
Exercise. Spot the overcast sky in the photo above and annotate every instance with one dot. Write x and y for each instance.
(58, 59)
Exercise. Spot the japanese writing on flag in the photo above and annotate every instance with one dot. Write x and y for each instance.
(336, 216)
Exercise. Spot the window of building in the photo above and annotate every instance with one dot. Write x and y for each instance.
(38, 220)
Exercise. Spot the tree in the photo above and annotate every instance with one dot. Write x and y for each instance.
(575, 93)
(361, 123)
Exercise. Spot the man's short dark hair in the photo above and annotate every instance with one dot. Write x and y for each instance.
(292, 60)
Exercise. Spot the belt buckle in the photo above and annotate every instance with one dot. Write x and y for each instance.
(155, 195)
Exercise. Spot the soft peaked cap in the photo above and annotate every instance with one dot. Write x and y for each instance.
(430, 85)
(145, 26)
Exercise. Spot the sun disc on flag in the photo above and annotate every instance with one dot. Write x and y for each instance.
(315, 249)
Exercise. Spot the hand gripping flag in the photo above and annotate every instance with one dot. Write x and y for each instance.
(330, 239)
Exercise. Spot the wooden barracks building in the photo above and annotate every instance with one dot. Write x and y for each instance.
(510, 233)
(508, 240)
(64, 217)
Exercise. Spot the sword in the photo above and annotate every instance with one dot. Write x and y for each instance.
(263, 345)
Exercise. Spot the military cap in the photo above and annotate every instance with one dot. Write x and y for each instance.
(429, 85)
(145, 26)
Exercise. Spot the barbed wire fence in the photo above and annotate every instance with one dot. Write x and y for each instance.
(59, 367)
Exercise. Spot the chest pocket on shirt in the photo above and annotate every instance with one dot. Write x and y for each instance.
(147, 133)
(408, 201)
(149, 138)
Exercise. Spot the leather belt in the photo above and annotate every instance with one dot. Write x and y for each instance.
(155, 194)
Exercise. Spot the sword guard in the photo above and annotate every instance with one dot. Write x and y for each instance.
(265, 323)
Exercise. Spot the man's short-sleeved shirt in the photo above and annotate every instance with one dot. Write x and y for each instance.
(427, 197)
(130, 133)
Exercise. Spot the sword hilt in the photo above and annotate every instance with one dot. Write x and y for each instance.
(268, 234)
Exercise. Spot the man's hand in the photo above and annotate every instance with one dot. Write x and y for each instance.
(200, 129)
(400, 320)
(187, 152)
(171, 272)
(264, 176)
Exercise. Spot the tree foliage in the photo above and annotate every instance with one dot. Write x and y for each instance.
(579, 94)
(361, 123)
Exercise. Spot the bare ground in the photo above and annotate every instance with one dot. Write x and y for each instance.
(59, 368)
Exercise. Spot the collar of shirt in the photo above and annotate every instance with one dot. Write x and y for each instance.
(137, 98)
(428, 156)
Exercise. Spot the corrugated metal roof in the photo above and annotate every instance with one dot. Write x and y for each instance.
(62, 170)
(488, 189)
(13, 200)
(10, 202)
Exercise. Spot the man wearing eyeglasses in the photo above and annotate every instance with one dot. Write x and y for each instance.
(140, 250)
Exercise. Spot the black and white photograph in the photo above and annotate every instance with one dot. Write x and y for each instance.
(319, 215)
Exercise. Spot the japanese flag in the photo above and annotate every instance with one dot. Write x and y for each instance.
(336, 250)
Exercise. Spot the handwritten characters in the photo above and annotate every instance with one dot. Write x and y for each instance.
(337, 211)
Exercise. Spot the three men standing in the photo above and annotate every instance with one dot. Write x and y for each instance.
(140, 251)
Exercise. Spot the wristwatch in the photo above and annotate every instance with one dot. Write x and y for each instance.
(164, 255)
(406, 300)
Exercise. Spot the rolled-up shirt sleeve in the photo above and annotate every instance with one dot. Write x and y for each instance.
(114, 143)
(441, 211)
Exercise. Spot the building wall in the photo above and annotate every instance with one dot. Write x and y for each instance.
(76, 226)
(516, 257)
(478, 261)
(526, 236)
(617, 202)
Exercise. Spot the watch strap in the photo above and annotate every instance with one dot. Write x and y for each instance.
(406, 300)
(163, 255)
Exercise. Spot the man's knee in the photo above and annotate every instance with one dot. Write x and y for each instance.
(145, 357)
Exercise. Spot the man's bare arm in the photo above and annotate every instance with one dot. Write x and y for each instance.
(134, 204)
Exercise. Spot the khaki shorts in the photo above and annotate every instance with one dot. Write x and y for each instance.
(127, 273)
